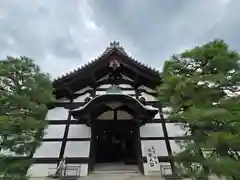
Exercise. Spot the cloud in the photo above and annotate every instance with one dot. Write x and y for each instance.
(161, 28)
(61, 35)
(58, 34)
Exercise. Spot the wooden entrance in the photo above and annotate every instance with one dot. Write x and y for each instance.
(115, 142)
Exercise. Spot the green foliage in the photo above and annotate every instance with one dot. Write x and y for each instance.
(24, 94)
(202, 88)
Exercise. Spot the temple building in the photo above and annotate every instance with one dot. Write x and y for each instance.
(107, 115)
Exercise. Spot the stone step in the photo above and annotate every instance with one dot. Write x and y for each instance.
(116, 172)
(123, 176)
(115, 166)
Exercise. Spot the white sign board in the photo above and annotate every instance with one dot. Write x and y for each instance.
(152, 159)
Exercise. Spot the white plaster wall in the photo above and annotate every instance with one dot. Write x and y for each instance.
(160, 147)
(100, 93)
(148, 97)
(79, 131)
(108, 115)
(125, 86)
(48, 149)
(160, 150)
(57, 113)
(41, 170)
(104, 86)
(151, 130)
(146, 88)
(175, 146)
(82, 98)
(175, 129)
(54, 131)
(77, 149)
(123, 115)
(128, 92)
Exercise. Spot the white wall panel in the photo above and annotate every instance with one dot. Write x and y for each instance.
(57, 113)
(100, 93)
(151, 130)
(108, 115)
(105, 86)
(125, 86)
(48, 149)
(82, 98)
(160, 147)
(128, 92)
(77, 149)
(123, 115)
(175, 129)
(41, 170)
(79, 131)
(146, 88)
(148, 97)
(54, 131)
(175, 146)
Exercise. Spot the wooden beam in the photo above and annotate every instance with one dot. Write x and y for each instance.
(169, 149)
(65, 136)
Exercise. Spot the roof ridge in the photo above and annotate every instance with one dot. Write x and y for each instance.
(114, 45)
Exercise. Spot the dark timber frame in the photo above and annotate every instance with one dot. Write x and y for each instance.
(81, 78)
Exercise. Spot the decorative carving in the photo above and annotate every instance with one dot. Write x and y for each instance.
(142, 100)
(114, 44)
(114, 66)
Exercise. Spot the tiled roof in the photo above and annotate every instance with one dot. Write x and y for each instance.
(114, 46)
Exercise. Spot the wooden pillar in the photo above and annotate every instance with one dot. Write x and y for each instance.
(139, 149)
(65, 136)
(92, 149)
(165, 133)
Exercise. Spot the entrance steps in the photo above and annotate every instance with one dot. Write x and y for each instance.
(118, 171)
(122, 176)
(114, 168)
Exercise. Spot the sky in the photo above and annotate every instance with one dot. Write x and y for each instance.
(61, 35)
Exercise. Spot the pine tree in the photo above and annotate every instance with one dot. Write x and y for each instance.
(24, 94)
(201, 86)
